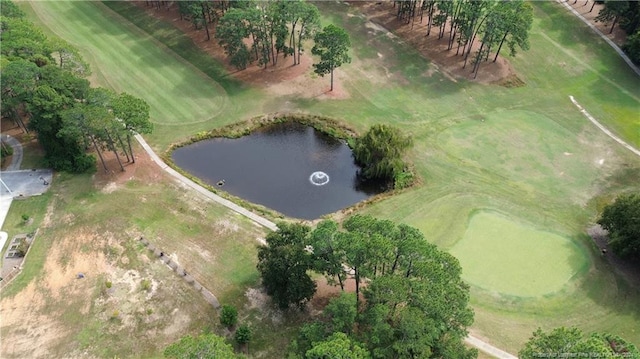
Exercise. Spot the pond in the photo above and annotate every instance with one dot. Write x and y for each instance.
(288, 167)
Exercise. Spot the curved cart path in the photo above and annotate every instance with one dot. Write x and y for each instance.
(603, 36)
(471, 340)
(604, 129)
(16, 158)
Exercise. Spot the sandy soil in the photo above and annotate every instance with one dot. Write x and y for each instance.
(33, 321)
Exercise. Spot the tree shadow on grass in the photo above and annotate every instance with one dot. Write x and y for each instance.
(180, 43)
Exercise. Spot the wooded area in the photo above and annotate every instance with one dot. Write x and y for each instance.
(44, 89)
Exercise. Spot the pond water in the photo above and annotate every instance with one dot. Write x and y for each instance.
(288, 167)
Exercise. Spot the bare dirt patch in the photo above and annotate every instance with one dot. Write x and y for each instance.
(144, 170)
(382, 19)
(25, 332)
(145, 303)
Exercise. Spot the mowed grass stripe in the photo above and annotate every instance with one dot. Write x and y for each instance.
(129, 60)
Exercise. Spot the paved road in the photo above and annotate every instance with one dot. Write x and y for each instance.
(16, 159)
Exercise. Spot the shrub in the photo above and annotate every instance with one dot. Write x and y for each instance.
(145, 285)
(403, 179)
(380, 150)
(243, 334)
(23, 247)
(25, 218)
(228, 316)
(108, 284)
(6, 151)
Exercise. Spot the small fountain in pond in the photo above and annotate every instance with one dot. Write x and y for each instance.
(319, 178)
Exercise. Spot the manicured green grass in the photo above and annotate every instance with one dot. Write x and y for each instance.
(180, 95)
(476, 147)
(513, 259)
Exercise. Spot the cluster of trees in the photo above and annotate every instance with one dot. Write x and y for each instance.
(260, 31)
(416, 303)
(571, 343)
(622, 220)
(44, 89)
(380, 152)
(270, 27)
(467, 22)
(627, 15)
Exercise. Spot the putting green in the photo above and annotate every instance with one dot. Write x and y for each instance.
(500, 255)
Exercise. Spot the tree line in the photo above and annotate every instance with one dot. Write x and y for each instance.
(265, 31)
(476, 28)
(255, 31)
(625, 14)
(409, 299)
(44, 89)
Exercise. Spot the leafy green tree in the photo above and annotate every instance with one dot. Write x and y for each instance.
(380, 151)
(632, 47)
(337, 346)
(69, 58)
(518, 18)
(134, 112)
(332, 45)
(9, 9)
(308, 334)
(231, 32)
(342, 313)
(19, 79)
(416, 303)
(21, 39)
(64, 148)
(622, 220)
(283, 264)
(571, 340)
(612, 11)
(309, 17)
(327, 255)
(228, 316)
(243, 334)
(202, 346)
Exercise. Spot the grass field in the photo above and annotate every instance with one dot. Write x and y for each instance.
(512, 259)
(525, 152)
